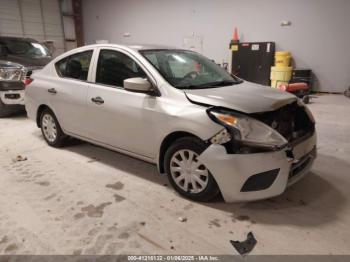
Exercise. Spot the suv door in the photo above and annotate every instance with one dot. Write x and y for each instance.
(120, 118)
(68, 95)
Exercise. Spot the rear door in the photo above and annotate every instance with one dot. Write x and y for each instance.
(68, 94)
(121, 118)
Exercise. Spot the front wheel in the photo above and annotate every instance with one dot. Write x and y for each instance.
(186, 173)
(51, 130)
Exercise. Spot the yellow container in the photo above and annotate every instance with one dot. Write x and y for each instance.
(282, 59)
(278, 83)
(280, 75)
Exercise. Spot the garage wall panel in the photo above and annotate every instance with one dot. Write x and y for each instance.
(318, 38)
(38, 19)
(10, 19)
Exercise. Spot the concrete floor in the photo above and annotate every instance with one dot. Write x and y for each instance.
(87, 200)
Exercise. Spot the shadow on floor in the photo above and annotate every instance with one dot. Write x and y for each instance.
(313, 201)
(116, 160)
(310, 202)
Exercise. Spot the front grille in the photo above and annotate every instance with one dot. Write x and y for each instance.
(291, 121)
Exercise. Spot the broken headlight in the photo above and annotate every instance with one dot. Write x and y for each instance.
(248, 131)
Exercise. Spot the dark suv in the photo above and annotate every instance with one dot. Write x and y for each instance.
(19, 57)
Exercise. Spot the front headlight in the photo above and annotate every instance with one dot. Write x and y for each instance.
(12, 72)
(248, 130)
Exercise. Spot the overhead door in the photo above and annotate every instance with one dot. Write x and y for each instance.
(38, 19)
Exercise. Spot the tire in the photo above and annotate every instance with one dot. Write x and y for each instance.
(51, 129)
(189, 148)
(306, 99)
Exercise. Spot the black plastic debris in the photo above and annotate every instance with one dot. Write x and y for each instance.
(245, 246)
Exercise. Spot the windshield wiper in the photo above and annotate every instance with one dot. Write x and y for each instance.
(210, 85)
(222, 83)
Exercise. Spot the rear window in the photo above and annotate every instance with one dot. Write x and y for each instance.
(75, 66)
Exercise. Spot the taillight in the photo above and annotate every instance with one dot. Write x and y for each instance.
(27, 81)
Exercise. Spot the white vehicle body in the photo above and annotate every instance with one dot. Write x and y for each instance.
(142, 124)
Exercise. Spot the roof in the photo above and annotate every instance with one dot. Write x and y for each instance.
(136, 47)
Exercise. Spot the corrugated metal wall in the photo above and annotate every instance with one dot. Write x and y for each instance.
(38, 19)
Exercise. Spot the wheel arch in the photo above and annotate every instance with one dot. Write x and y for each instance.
(167, 142)
(41, 108)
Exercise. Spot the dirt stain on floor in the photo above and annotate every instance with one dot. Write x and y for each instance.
(49, 197)
(124, 235)
(3, 240)
(118, 198)
(215, 222)
(116, 186)
(79, 215)
(43, 183)
(11, 247)
(95, 211)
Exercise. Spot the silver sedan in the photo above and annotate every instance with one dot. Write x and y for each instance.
(210, 132)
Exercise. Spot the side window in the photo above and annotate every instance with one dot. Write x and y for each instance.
(114, 67)
(75, 66)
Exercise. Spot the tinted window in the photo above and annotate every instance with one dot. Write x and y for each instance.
(75, 66)
(25, 48)
(114, 67)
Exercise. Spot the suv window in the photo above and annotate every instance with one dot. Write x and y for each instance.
(75, 66)
(25, 48)
(114, 67)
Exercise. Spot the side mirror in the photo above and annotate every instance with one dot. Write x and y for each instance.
(137, 84)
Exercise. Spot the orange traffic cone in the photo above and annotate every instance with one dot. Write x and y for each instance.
(235, 35)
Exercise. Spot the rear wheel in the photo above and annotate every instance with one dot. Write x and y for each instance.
(51, 129)
(187, 174)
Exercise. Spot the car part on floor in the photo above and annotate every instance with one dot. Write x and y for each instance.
(245, 246)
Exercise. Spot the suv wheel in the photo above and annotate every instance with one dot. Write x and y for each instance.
(187, 174)
(51, 130)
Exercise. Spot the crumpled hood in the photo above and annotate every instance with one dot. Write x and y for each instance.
(245, 97)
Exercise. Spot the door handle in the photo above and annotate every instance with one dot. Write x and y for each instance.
(97, 100)
(52, 91)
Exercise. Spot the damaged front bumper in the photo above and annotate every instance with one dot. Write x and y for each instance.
(248, 177)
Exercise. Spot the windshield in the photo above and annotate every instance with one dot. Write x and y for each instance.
(24, 48)
(188, 70)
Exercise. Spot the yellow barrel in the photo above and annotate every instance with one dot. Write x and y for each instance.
(280, 75)
(282, 59)
(278, 83)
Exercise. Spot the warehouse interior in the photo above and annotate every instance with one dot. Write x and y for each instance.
(85, 199)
